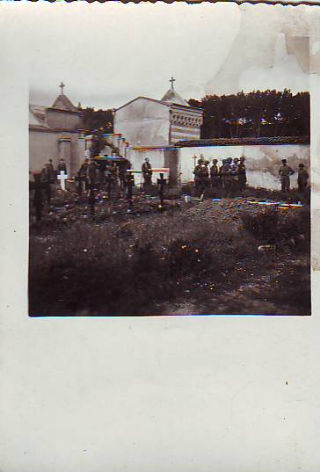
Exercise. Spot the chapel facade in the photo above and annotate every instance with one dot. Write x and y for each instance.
(56, 132)
(149, 122)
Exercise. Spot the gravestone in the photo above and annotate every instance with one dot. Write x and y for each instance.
(62, 177)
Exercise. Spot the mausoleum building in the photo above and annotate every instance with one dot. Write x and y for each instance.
(56, 132)
(148, 122)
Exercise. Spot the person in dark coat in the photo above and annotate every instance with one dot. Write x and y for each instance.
(92, 172)
(62, 166)
(147, 174)
(242, 175)
(51, 171)
(303, 178)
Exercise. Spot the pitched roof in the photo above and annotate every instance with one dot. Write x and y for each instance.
(171, 96)
(161, 102)
(37, 115)
(62, 102)
(144, 98)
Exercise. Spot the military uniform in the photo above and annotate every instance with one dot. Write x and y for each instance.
(227, 177)
(234, 176)
(214, 176)
(147, 174)
(242, 175)
(303, 177)
(92, 173)
(201, 177)
(285, 172)
(62, 166)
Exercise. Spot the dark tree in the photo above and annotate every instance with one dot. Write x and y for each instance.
(255, 114)
(97, 120)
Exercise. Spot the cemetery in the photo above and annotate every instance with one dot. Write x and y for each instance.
(161, 222)
(99, 252)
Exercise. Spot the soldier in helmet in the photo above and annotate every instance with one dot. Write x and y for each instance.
(285, 172)
(201, 177)
(214, 177)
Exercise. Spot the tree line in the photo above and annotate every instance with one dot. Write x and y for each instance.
(257, 114)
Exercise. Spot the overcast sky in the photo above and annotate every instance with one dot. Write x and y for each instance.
(107, 54)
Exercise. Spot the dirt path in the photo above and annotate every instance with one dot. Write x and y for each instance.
(278, 290)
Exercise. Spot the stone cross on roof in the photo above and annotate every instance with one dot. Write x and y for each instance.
(62, 86)
(172, 80)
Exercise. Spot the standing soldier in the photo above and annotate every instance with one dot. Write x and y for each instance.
(46, 179)
(91, 172)
(108, 177)
(285, 172)
(201, 177)
(303, 177)
(101, 170)
(234, 175)
(214, 177)
(62, 166)
(51, 171)
(222, 175)
(147, 174)
(227, 177)
(83, 172)
(242, 175)
(115, 178)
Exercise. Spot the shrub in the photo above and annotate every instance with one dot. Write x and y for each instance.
(280, 227)
(124, 270)
(263, 226)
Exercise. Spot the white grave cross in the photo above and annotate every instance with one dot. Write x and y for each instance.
(62, 177)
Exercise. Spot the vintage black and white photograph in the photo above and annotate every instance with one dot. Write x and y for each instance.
(169, 160)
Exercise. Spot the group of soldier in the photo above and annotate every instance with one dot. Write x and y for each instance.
(49, 173)
(112, 175)
(229, 178)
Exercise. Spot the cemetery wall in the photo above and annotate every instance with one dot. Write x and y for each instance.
(44, 145)
(262, 161)
(137, 157)
(143, 122)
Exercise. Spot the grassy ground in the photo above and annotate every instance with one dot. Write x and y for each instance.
(196, 258)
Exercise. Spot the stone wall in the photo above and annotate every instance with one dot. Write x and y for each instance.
(45, 145)
(262, 161)
(58, 119)
(143, 123)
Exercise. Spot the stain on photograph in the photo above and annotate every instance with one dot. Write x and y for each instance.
(169, 159)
